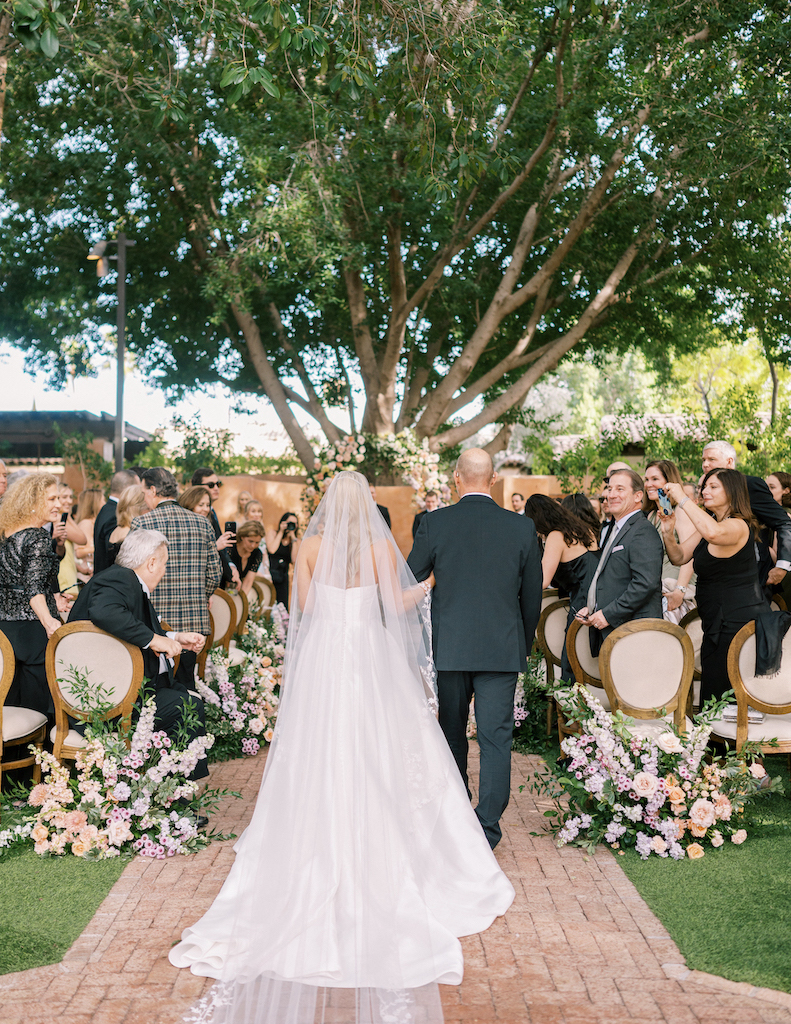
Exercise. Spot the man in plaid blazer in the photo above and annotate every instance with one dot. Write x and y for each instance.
(193, 570)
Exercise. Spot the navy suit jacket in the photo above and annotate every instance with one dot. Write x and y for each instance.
(487, 600)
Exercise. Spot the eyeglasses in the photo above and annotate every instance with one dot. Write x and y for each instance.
(216, 483)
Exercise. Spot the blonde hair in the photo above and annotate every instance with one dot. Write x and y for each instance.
(89, 504)
(25, 501)
(131, 503)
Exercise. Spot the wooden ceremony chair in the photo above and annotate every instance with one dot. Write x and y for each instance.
(694, 629)
(584, 668)
(102, 658)
(646, 665)
(266, 589)
(242, 609)
(771, 696)
(550, 636)
(18, 726)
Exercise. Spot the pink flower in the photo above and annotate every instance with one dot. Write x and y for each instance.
(756, 770)
(118, 833)
(723, 808)
(739, 837)
(717, 839)
(39, 833)
(38, 795)
(658, 844)
(702, 813)
(645, 785)
(75, 820)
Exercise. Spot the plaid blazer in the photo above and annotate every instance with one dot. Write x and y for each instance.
(193, 570)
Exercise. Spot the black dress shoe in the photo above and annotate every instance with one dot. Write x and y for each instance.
(202, 821)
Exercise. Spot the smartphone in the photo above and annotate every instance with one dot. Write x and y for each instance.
(664, 501)
(64, 516)
(230, 526)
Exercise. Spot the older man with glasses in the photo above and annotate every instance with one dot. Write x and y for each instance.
(205, 477)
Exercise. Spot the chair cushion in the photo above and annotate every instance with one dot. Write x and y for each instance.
(235, 656)
(18, 722)
(73, 739)
(773, 727)
(652, 727)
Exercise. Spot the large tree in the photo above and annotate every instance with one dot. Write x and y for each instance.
(439, 200)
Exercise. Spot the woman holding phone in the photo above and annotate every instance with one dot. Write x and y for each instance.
(678, 585)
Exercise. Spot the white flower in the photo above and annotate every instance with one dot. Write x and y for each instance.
(670, 743)
(645, 785)
(256, 726)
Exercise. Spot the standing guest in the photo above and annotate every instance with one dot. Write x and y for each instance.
(770, 516)
(582, 507)
(28, 583)
(595, 500)
(254, 512)
(608, 521)
(432, 503)
(283, 548)
(690, 489)
(678, 585)
(243, 499)
(484, 612)
(106, 520)
(779, 485)
(193, 570)
(570, 555)
(3, 479)
(197, 500)
(627, 582)
(88, 507)
(518, 503)
(119, 602)
(73, 535)
(385, 512)
(205, 477)
(729, 593)
(131, 504)
(246, 553)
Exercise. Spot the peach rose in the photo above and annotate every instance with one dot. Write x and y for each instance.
(717, 838)
(697, 830)
(79, 848)
(695, 851)
(678, 808)
(670, 781)
(702, 813)
(756, 770)
(658, 844)
(723, 808)
(675, 794)
(645, 785)
(41, 847)
(739, 837)
(39, 833)
(266, 662)
(268, 735)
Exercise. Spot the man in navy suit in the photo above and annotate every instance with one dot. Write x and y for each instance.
(484, 611)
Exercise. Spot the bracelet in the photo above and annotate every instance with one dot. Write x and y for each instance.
(681, 504)
(681, 590)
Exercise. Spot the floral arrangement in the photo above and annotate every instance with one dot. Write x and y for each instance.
(130, 794)
(400, 456)
(656, 795)
(241, 701)
(530, 710)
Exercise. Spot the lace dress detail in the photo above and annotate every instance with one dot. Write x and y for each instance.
(28, 566)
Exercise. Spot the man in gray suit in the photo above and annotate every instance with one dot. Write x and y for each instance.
(484, 611)
(628, 581)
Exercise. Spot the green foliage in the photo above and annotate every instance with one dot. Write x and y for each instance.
(76, 449)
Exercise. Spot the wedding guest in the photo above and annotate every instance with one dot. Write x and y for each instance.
(570, 555)
(131, 503)
(197, 500)
(28, 584)
(73, 535)
(246, 553)
(779, 484)
(117, 600)
(595, 501)
(3, 479)
(432, 503)
(106, 519)
(582, 507)
(205, 477)
(283, 547)
(254, 512)
(243, 499)
(518, 503)
(385, 512)
(691, 489)
(627, 582)
(678, 584)
(88, 506)
(729, 593)
(770, 516)
(608, 522)
(193, 570)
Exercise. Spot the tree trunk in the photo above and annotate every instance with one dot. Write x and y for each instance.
(775, 389)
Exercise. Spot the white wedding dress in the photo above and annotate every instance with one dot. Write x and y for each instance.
(364, 861)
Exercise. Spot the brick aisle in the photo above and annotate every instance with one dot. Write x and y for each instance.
(578, 946)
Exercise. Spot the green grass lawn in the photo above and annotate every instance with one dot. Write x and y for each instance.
(46, 903)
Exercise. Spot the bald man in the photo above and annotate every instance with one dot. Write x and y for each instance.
(484, 611)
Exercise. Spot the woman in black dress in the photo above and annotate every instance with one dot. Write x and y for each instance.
(723, 545)
(28, 584)
(570, 556)
(283, 546)
(246, 554)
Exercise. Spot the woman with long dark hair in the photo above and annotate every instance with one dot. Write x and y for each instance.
(569, 559)
(581, 506)
(722, 543)
(678, 584)
(283, 547)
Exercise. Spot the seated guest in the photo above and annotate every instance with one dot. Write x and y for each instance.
(88, 506)
(28, 584)
(246, 553)
(432, 503)
(117, 600)
(106, 519)
(779, 484)
(627, 583)
(569, 560)
(132, 503)
(518, 503)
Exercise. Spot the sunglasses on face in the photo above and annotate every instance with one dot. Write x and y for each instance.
(217, 483)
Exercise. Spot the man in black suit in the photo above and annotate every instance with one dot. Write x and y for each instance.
(205, 477)
(627, 584)
(485, 608)
(432, 503)
(770, 515)
(118, 601)
(106, 519)
(385, 512)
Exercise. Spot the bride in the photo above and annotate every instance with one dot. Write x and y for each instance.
(364, 861)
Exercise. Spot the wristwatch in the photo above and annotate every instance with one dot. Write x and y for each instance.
(681, 590)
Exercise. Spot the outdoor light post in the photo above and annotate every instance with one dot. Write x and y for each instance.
(122, 243)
